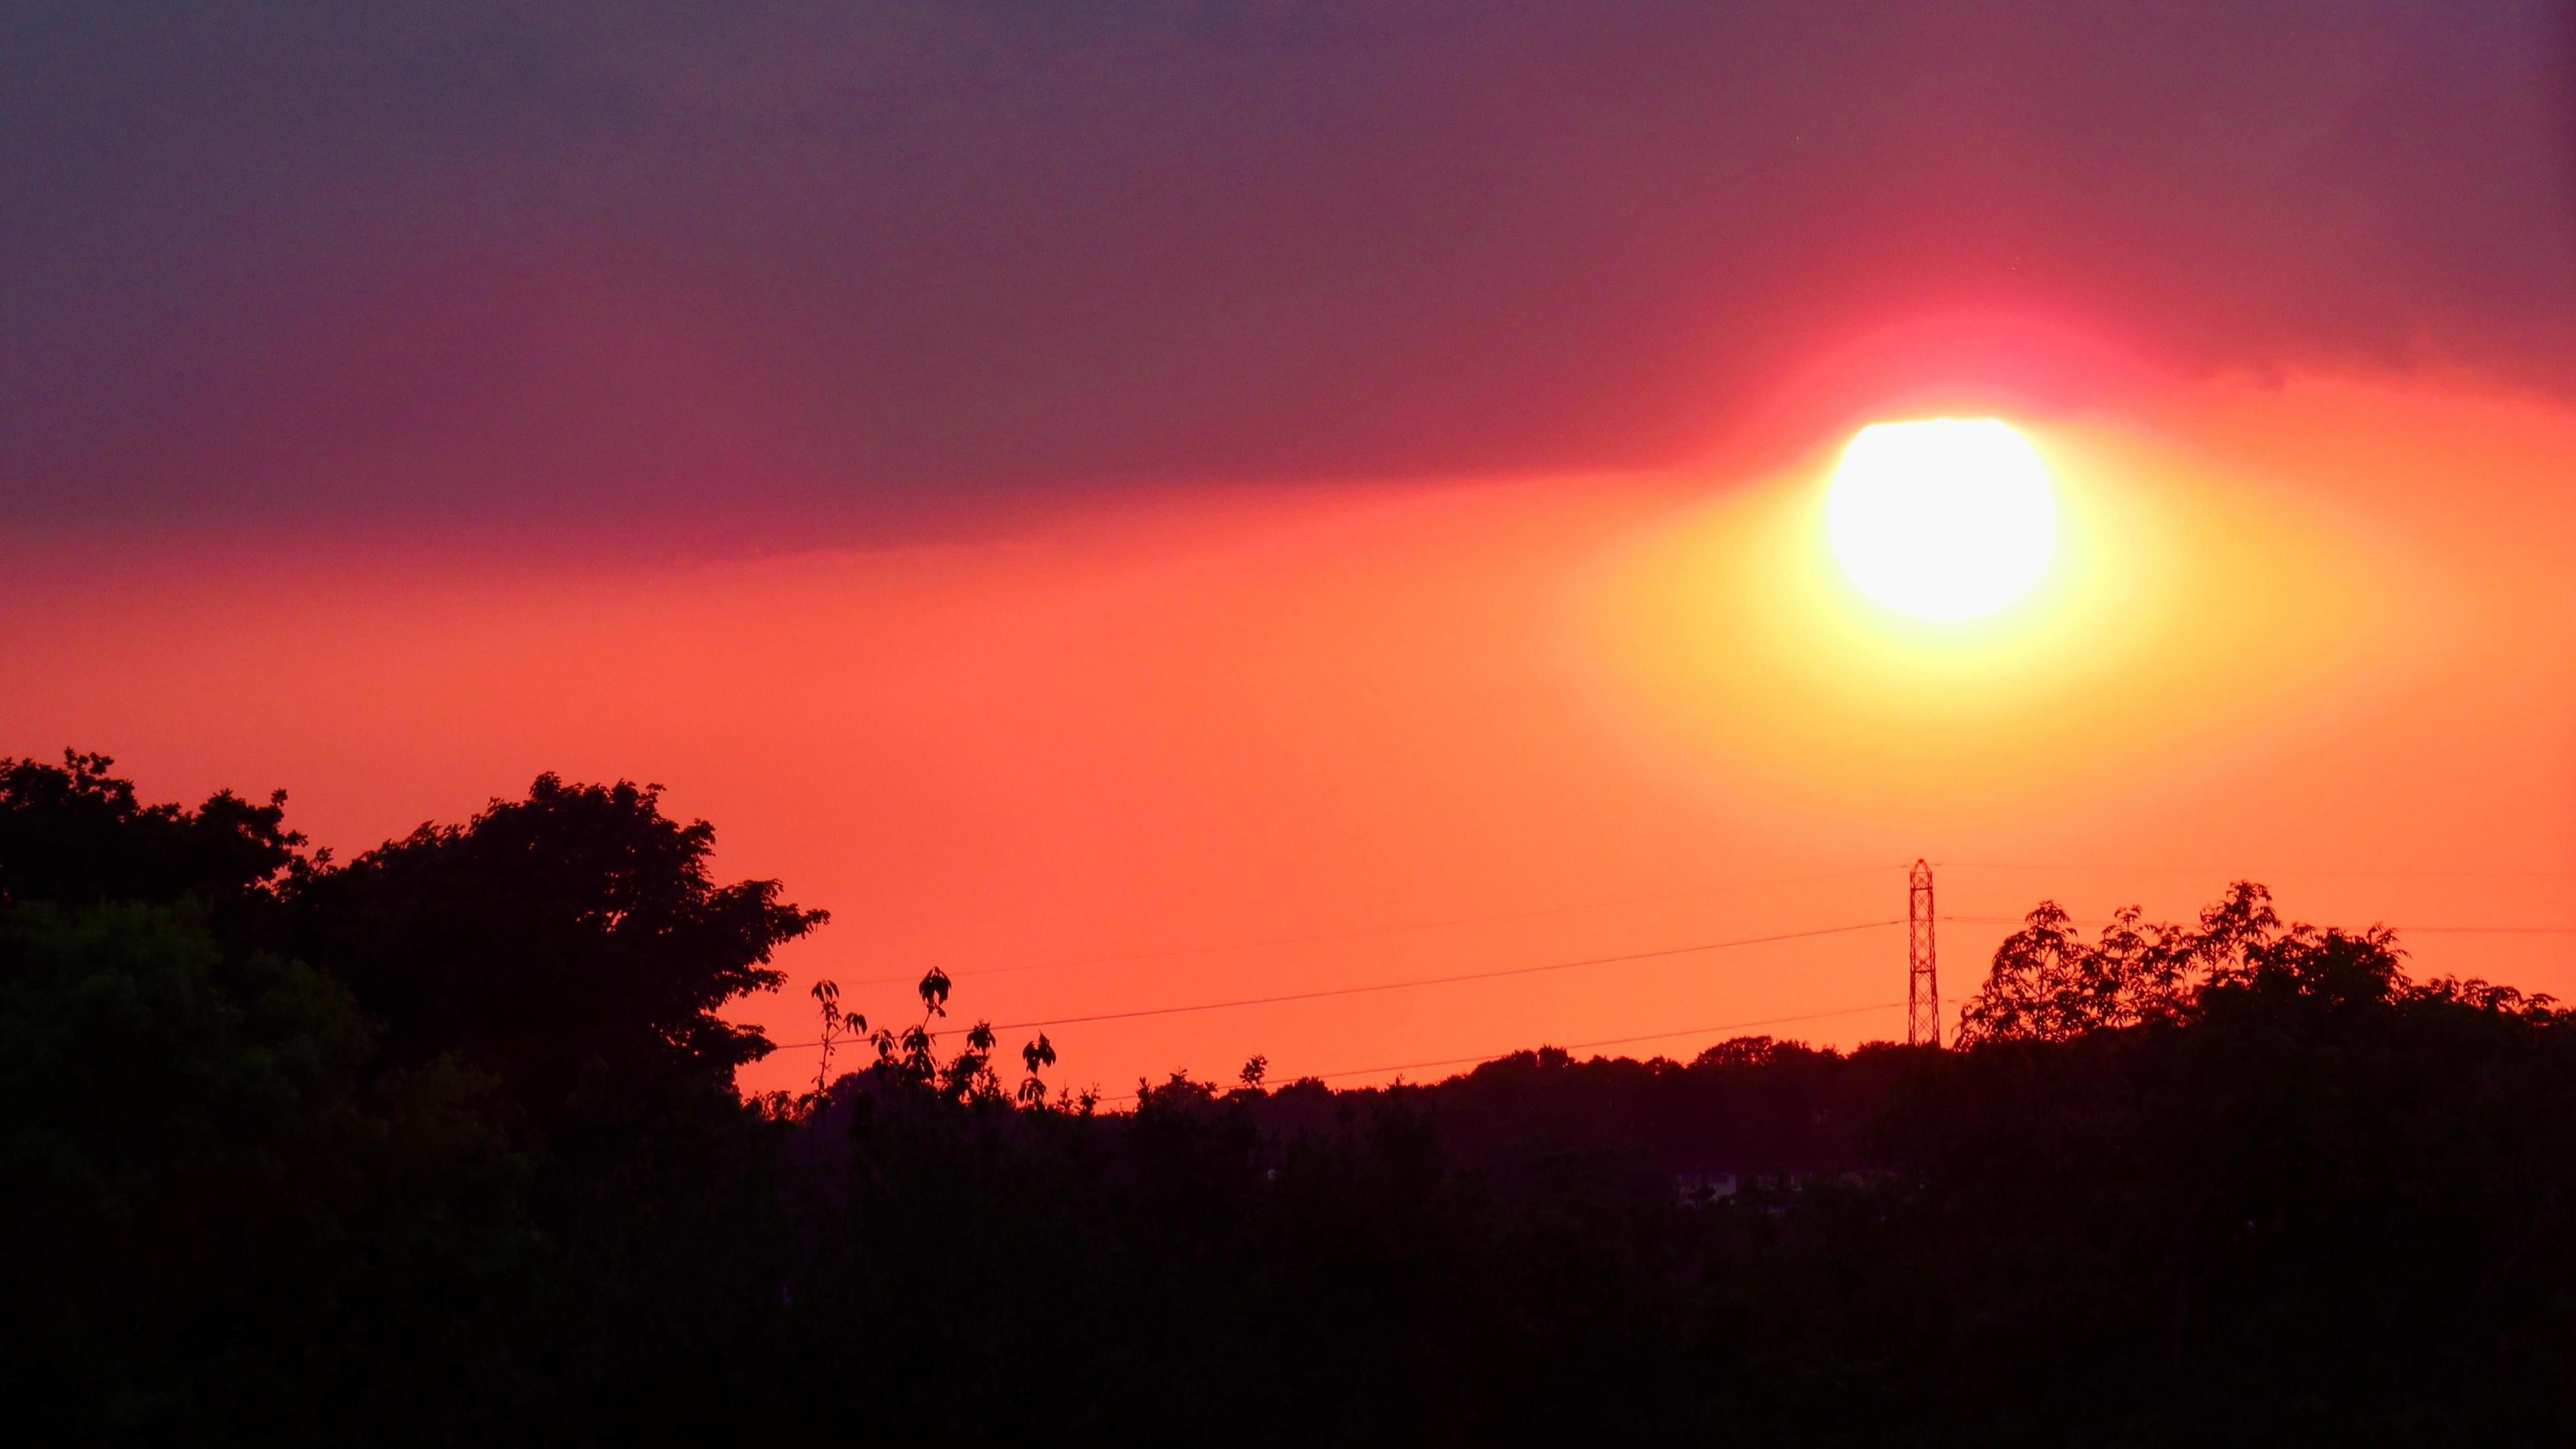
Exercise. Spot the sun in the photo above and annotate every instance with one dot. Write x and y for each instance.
(1942, 519)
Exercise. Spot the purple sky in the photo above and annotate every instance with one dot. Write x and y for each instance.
(775, 272)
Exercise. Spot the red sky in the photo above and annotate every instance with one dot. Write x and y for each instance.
(1214, 744)
(1151, 503)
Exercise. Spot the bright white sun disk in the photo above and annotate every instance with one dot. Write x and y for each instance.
(1944, 519)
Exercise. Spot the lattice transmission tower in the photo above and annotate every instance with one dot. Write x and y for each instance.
(1922, 977)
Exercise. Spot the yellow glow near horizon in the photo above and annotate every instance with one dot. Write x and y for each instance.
(1741, 657)
(1943, 519)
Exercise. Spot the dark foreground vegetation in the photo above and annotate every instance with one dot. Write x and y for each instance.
(442, 1145)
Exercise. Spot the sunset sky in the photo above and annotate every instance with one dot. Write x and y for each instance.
(1151, 505)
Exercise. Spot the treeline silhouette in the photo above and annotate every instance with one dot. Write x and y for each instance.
(442, 1144)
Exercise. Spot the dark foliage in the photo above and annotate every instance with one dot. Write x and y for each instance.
(75, 835)
(440, 1146)
(571, 943)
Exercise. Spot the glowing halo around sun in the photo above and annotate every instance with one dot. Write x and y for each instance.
(1943, 519)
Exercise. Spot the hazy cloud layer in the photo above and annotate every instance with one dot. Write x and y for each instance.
(779, 264)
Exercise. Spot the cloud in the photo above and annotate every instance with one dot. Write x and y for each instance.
(821, 267)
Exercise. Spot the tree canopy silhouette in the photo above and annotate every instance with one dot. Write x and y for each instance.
(74, 833)
(2047, 983)
(438, 1146)
(573, 943)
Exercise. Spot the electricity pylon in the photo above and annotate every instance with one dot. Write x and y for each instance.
(1922, 979)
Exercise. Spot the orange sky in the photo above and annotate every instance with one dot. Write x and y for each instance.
(1215, 744)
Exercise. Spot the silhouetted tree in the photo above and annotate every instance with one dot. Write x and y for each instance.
(573, 943)
(433, 1148)
(1036, 1056)
(2047, 983)
(74, 833)
(827, 1002)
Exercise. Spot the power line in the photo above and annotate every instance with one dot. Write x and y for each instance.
(1449, 980)
(1329, 993)
(2400, 929)
(2484, 930)
(1369, 932)
(2241, 873)
(1338, 991)
(1404, 928)
(1583, 1045)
